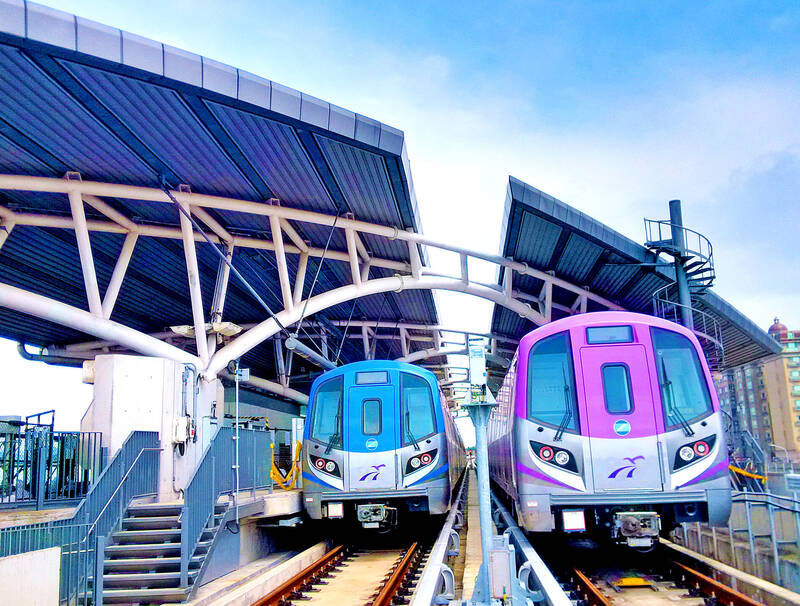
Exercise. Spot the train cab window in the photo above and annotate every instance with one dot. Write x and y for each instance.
(326, 424)
(617, 388)
(418, 420)
(551, 383)
(371, 417)
(684, 392)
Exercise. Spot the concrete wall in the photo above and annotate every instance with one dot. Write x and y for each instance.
(279, 413)
(148, 394)
(31, 578)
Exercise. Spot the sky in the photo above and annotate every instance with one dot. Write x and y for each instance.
(612, 107)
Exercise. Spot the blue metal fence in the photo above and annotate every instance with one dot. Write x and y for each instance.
(132, 472)
(216, 475)
(77, 545)
(40, 465)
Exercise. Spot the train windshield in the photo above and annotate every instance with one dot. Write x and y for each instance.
(551, 383)
(417, 418)
(684, 392)
(326, 424)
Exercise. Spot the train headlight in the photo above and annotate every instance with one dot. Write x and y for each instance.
(694, 451)
(325, 466)
(555, 456)
(421, 460)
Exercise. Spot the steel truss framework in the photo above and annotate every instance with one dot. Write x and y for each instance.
(208, 325)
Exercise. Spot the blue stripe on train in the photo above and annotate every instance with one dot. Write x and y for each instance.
(316, 480)
(433, 474)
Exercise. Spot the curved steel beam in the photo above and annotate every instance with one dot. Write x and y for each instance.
(54, 311)
(263, 331)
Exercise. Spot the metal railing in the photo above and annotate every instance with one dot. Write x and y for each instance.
(216, 476)
(77, 560)
(40, 465)
(97, 515)
(658, 234)
(770, 526)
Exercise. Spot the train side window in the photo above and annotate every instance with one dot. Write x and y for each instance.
(684, 391)
(617, 388)
(552, 397)
(326, 425)
(418, 420)
(371, 417)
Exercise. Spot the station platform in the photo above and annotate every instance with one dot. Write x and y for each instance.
(21, 517)
(252, 581)
(260, 503)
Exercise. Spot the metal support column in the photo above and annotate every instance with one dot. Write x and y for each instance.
(479, 413)
(678, 241)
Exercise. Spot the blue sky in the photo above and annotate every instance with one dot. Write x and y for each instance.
(612, 107)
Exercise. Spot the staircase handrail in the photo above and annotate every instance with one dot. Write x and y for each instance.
(206, 485)
(119, 487)
(704, 250)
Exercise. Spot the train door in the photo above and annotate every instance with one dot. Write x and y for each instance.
(371, 437)
(621, 419)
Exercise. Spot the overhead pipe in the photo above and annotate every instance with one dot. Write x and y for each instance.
(292, 344)
(48, 359)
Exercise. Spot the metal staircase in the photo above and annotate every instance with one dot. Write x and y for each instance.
(143, 565)
(693, 251)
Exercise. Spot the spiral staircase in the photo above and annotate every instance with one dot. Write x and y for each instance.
(695, 253)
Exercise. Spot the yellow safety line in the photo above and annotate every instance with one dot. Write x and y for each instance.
(747, 473)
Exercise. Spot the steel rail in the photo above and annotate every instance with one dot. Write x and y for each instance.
(590, 591)
(715, 589)
(392, 585)
(303, 579)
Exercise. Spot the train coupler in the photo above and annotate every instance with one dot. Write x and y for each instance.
(637, 528)
(375, 515)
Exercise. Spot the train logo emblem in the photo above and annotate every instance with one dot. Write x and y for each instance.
(622, 428)
(371, 444)
(630, 468)
(372, 475)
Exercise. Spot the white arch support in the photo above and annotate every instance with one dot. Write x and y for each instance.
(409, 275)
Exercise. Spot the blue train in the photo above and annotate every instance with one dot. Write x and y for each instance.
(380, 442)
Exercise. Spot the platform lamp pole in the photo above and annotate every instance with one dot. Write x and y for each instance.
(479, 407)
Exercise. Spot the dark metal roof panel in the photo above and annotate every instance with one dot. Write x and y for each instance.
(276, 152)
(117, 107)
(181, 142)
(40, 110)
(616, 267)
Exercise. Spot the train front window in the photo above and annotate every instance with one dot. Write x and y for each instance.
(684, 392)
(617, 388)
(551, 384)
(371, 417)
(417, 416)
(326, 424)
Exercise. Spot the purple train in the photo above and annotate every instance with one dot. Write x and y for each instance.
(608, 423)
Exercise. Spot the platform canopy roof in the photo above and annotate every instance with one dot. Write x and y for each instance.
(552, 236)
(119, 108)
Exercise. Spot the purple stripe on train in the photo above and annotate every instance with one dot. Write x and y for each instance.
(540, 476)
(714, 470)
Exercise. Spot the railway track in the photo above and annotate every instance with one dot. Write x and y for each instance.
(345, 575)
(679, 583)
